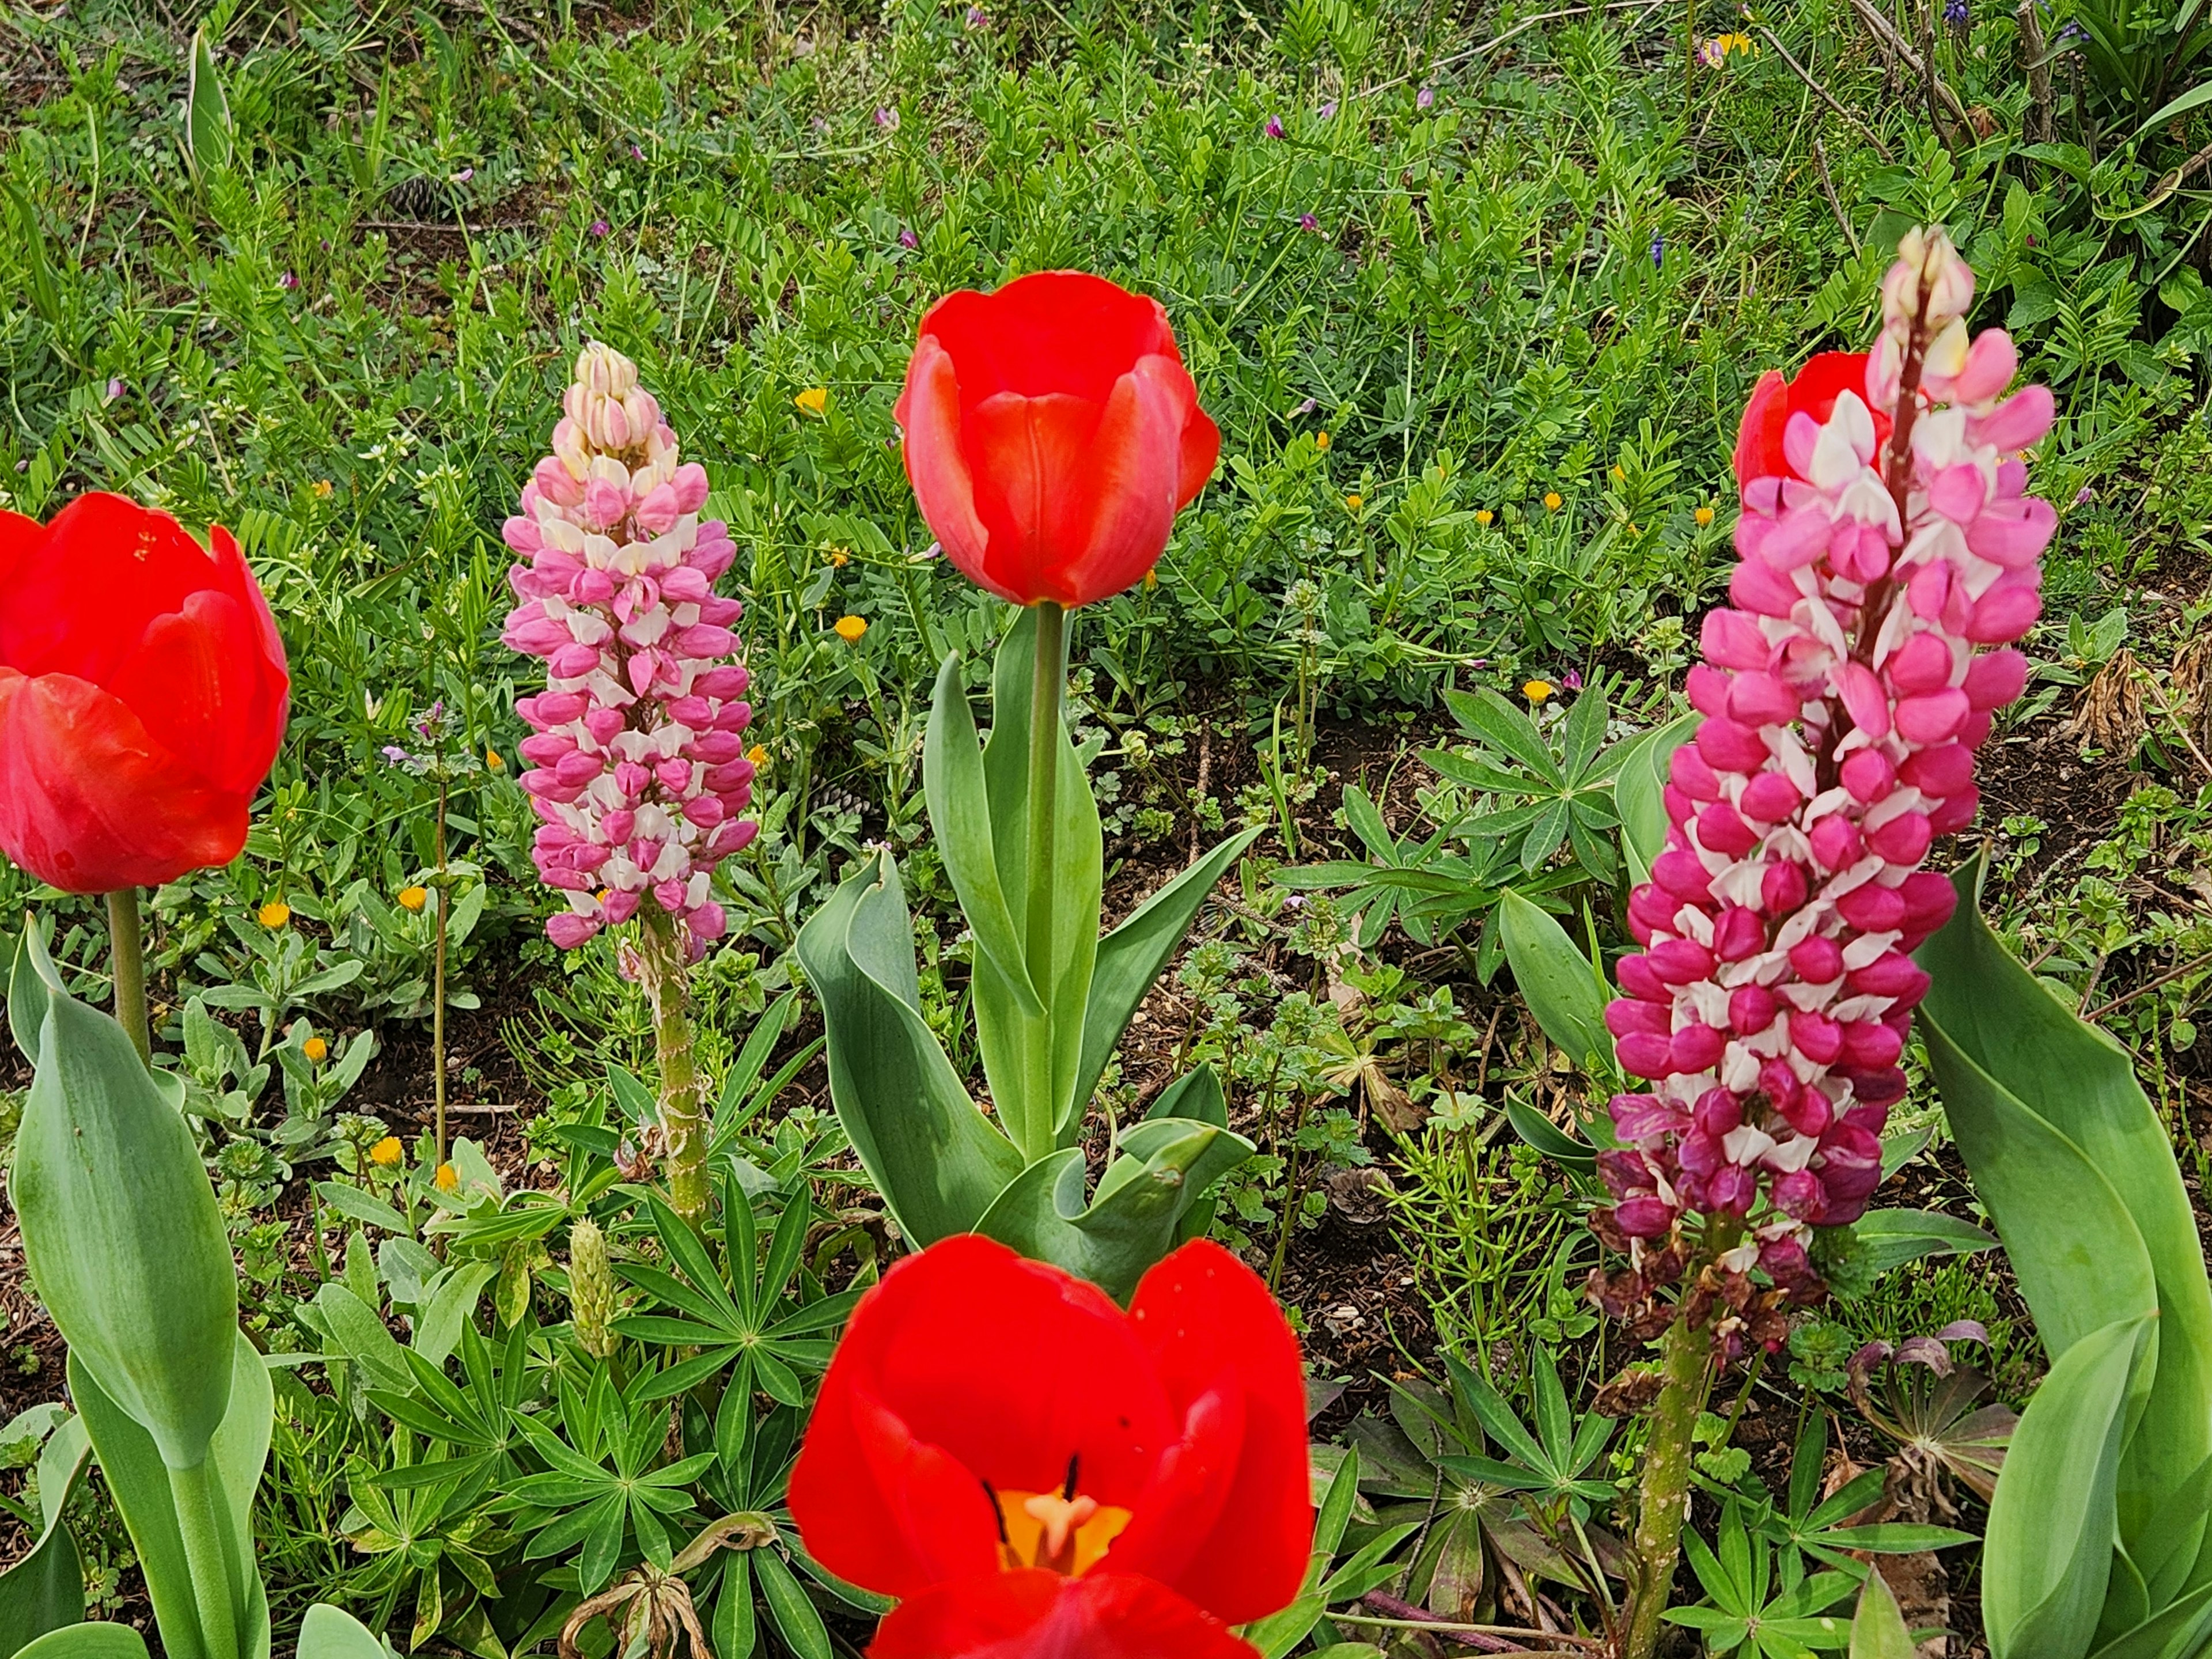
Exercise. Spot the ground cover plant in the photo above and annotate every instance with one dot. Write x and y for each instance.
(652, 731)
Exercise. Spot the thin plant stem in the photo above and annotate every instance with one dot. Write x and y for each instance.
(438, 975)
(682, 1102)
(195, 1495)
(127, 956)
(1047, 686)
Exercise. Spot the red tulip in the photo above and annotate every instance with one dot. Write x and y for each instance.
(1052, 435)
(141, 696)
(1825, 376)
(1037, 1473)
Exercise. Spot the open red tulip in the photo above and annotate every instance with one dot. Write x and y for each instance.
(1052, 433)
(1035, 1472)
(1826, 377)
(142, 689)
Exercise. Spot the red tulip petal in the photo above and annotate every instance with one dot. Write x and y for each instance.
(928, 413)
(1230, 1522)
(199, 685)
(92, 803)
(1041, 1615)
(1825, 378)
(106, 569)
(1008, 1369)
(1114, 523)
(1759, 438)
(1055, 331)
(1034, 461)
(1201, 454)
(237, 579)
(18, 536)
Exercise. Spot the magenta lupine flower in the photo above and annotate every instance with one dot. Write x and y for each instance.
(638, 772)
(1886, 542)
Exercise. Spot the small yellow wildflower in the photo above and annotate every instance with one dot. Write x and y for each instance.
(387, 1152)
(1618, 476)
(840, 557)
(1483, 515)
(1152, 579)
(757, 755)
(1352, 503)
(813, 400)
(316, 1049)
(1321, 441)
(1554, 501)
(447, 1177)
(493, 763)
(414, 898)
(1704, 517)
(849, 628)
(321, 488)
(1537, 690)
(273, 914)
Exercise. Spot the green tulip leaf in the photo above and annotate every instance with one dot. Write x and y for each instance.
(1197, 1095)
(1033, 1061)
(1130, 959)
(2006, 1051)
(2047, 1556)
(100, 1639)
(2179, 1629)
(147, 1494)
(329, 1633)
(936, 1159)
(44, 1591)
(121, 1230)
(1166, 1166)
(960, 818)
(1556, 980)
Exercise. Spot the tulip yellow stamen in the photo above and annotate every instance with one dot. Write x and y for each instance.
(1065, 1532)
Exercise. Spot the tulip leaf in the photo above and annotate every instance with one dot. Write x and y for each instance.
(44, 1591)
(936, 1159)
(1130, 959)
(1166, 1166)
(121, 1230)
(329, 1633)
(2047, 1556)
(2179, 1629)
(144, 1491)
(1196, 1095)
(960, 818)
(1547, 1138)
(1032, 1060)
(2007, 1051)
(207, 112)
(100, 1638)
(1556, 980)
(1890, 1238)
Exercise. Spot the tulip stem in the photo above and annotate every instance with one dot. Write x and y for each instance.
(195, 1495)
(127, 956)
(1047, 687)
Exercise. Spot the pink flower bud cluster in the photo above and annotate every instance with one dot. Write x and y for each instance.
(1886, 540)
(638, 767)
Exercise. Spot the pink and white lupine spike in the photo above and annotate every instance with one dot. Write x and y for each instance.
(1886, 542)
(638, 769)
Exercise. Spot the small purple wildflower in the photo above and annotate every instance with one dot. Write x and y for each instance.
(396, 755)
(1329, 109)
(977, 18)
(1305, 408)
(114, 391)
(1658, 251)
(462, 177)
(1955, 14)
(287, 282)
(934, 551)
(1424, 97)
(2084, 496)
(637, 152)
(1275, 128)
(599, 227)
(887, 118)
(1307, 221)
(907, 238)
(1571, 681)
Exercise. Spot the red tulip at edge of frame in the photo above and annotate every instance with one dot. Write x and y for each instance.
(1037, 1474)
(142, 692)
(1052, 433)
(1825, 376)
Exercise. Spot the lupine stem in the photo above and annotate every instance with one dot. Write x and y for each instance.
(194, 1494)
(1048, 685)
(127, 957)
(438, 969)
(682, 1105)
(1686, 1373)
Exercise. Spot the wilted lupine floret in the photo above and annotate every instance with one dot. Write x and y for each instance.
(638, 762)
(1887, 539)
